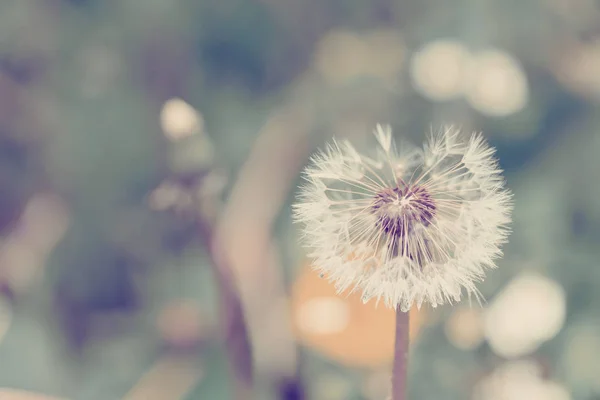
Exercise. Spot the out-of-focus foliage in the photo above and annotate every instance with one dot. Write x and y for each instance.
(110, 110)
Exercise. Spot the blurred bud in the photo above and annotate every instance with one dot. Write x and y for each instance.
(180, 120)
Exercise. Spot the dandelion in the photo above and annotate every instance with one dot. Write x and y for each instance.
(405, 225)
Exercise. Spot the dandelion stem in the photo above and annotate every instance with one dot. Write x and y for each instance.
(400, 356)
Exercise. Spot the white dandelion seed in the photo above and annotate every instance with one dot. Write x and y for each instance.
(407, 225)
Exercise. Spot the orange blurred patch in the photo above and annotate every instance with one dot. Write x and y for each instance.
(343, 328)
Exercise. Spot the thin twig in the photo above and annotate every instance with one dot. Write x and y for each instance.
(400, 356)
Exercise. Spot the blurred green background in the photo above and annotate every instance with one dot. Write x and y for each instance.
(120, 118)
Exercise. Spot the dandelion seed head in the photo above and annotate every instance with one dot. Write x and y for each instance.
(402, 206)
(405, 225)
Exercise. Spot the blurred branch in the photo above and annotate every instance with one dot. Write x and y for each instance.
(233, 319)
(263, 186)
(163, 80)
(191, 196)
(241, 245)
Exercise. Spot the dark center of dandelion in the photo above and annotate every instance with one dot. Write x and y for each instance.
(400, 211)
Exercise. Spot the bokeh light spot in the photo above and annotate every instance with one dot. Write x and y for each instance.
(437, 69)
(464, 328)
(528, 312)
(323, 315)
(340, 56)
(497, 84)
(519, 380)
